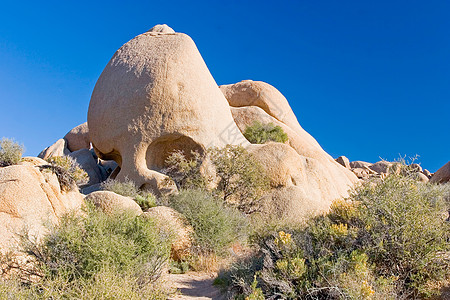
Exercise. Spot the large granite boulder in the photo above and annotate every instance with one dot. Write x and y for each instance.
(155, 96)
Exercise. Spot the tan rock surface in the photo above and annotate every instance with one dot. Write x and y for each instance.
(78, 138)
(442, 175)
(309, 183)
(343, 161)
(28, 198)
(167, 100)
(110, 202)
(175, 223)
(59, 148)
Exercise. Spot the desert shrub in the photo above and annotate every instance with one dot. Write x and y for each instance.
(95, 256)
(242, 180)
(67, 170)
(185, 171)
(10, 152)
(385, 242)
(216, 226)
(128, 188)
(259, 133)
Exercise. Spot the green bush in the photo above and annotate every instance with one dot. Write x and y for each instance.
(385, 242)
(216, 226)
(186, 171)
(242, 180)
(259, 133)
(10, 152)
(67, 170)
(97, 256)
(128, 188)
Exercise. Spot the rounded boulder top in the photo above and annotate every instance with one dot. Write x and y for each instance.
(161, 29)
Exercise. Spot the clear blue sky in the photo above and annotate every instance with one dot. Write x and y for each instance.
(367, 79)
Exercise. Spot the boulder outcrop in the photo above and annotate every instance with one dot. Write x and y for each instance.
(156, 95)
(110, 202)
(442, 175)
(28, 199)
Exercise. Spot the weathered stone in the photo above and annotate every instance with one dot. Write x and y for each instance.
(57, 149)
(361, 173)
(175, 223)
(28, 199)
(156, 96)
(442, 175)
(110, 202)
(381, 167)
(342, 160)
(78, 138)
(87, 162)
(359, 164)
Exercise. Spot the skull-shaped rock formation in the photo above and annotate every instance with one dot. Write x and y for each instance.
(156, 96)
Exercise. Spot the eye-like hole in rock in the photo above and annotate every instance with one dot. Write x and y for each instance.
(161, 148)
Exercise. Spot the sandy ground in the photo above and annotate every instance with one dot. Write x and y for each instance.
(194, 285)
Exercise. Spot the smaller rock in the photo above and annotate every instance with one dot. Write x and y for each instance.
(359, 164)
(175, 223)
(57, 149)
(109, 165)
(343, 161)
(361, 173)
(442, 175)
(427, 173)
(381, 167)
(110, 202)
(88, 163)
(421, 177)
(78, 138)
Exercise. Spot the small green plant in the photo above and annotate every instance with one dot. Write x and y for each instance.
(128, 188)
(259, 133)
(242, 180)
(10, 152)
(67, 170)
(216, 226)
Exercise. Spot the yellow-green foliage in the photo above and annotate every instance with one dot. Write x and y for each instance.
(259, 133)
(68, 171)
(10, 152)
(241, 179)
(185, 171)
(216, 226)
(384, 242)
(97, 256)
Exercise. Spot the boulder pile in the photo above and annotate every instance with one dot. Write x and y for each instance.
(365, 170)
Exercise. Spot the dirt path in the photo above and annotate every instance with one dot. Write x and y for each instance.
(195, 285)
